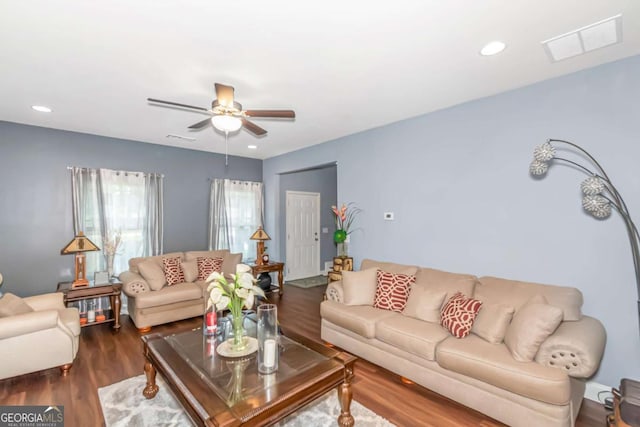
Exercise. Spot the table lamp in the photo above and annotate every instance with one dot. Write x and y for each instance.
(260, 235)
(79, 245)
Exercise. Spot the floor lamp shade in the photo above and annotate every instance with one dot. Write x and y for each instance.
(78, 246)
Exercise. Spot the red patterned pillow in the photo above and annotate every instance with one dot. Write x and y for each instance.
(458, 314)
(392, 291)
(206, 266)
(173, 270)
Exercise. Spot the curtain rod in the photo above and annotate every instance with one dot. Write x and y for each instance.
(236, 180)
(125, 172)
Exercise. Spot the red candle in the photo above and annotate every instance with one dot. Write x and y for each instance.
(211, 322)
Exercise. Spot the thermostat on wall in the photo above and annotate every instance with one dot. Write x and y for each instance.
(388, 216)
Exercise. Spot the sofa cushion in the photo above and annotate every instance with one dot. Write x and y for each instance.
(451, 283)
(153, 274)
(360, 319)
(411, 335)
(190, 270)
(229, 263)
(12, 305)
(207, 265)
(193, 255)
(459, 313)
(170, 294)
(493, 364)
(392, 291)
(173, 271)
(492, 322)
(134, 262)
(359, 287)
(391, 267)
(493, 290)
(531, 325)
(424, 304)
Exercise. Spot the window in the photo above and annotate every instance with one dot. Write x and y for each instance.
(236, 211)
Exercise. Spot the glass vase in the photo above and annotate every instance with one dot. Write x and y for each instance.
(110, 265)
(267, 318)
(237, 342)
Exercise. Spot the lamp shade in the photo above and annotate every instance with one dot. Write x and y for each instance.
(260, 234)
(80, 243)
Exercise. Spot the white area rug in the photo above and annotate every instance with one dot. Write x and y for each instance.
(123, 405)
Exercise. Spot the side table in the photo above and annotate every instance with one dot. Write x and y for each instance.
(271, 268)
(111, 290)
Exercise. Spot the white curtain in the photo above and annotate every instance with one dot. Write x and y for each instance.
(107, 203)
(236, 211)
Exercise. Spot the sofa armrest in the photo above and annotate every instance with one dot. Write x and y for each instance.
(50, 301)
(575, 347)
(335, 292)
(22, 324)
(133, 284)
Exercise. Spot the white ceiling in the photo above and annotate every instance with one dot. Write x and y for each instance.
(343, 66)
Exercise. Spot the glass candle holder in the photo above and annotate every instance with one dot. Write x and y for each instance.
(267, 318)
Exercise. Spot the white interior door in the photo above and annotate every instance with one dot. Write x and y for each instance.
(303, 235)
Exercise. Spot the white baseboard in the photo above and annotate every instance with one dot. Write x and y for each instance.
(597, 392)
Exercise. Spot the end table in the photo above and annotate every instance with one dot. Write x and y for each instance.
(270, 268)
(111, 290)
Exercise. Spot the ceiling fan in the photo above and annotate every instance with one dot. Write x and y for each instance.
(227, 115)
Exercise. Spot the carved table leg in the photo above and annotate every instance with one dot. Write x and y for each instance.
(151, 389)
(280, 281)
(116, 305)
(344, 396)
(64, 369)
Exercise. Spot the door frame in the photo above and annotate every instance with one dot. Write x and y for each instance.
(289, 193)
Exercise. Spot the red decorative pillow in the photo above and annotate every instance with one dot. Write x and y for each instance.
(392, 291)
(458, 314)
(206, 266)
(173, 270)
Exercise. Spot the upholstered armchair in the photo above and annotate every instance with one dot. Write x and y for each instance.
(37, 333)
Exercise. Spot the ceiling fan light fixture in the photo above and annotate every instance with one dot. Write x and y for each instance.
(226, 123)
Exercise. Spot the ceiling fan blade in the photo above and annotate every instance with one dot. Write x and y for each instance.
(285, 114)
(224, 94)
(252, 127)
(201, 124)
(159, 101)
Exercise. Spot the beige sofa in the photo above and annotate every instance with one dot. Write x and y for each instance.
(482, 375)
(37, 333)
(151, 302)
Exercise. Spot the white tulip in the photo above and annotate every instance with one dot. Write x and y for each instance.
(242, 268)
(215, 276)
(248, 302)
(223, 303)
(245, 280)
(215, 294)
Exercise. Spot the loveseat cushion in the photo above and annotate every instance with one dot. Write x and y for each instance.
(134, 262)
(169, 295)
(360, 319)
(411, 335)
(493, 290)
(11, 305)
(153, 274)
(359, 287)
(390, 267)
(193, 255)
(229, 263)
(392, 291)
(492, 363)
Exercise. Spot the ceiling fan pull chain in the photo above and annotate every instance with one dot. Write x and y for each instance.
(226, 148)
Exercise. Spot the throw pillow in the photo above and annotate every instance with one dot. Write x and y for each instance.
(492, 322)
(359, 286)
(531, 325)
(230, 263)
(173, 270)
(206, 266)
(190, 269)
(153, 274)
(424, 304)
(459, 313)
(11, 305)
(392, 290)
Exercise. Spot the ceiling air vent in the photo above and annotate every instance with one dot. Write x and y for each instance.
(185, 138)
(585, 39)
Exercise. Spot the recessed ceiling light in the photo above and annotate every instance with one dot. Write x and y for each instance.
(41, 108)
(252, 147)
(492, 48)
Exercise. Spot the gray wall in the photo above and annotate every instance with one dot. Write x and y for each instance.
(464, 201)
(324, 181)
(35, 196)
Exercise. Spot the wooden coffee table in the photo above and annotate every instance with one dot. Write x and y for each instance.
(218, 391)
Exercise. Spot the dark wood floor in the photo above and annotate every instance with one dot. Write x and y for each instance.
(105, 358)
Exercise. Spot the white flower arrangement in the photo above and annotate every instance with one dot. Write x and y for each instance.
(235, 294)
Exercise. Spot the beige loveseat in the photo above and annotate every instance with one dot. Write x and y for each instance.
(37, 333)
(482, 375)
(151, 302)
